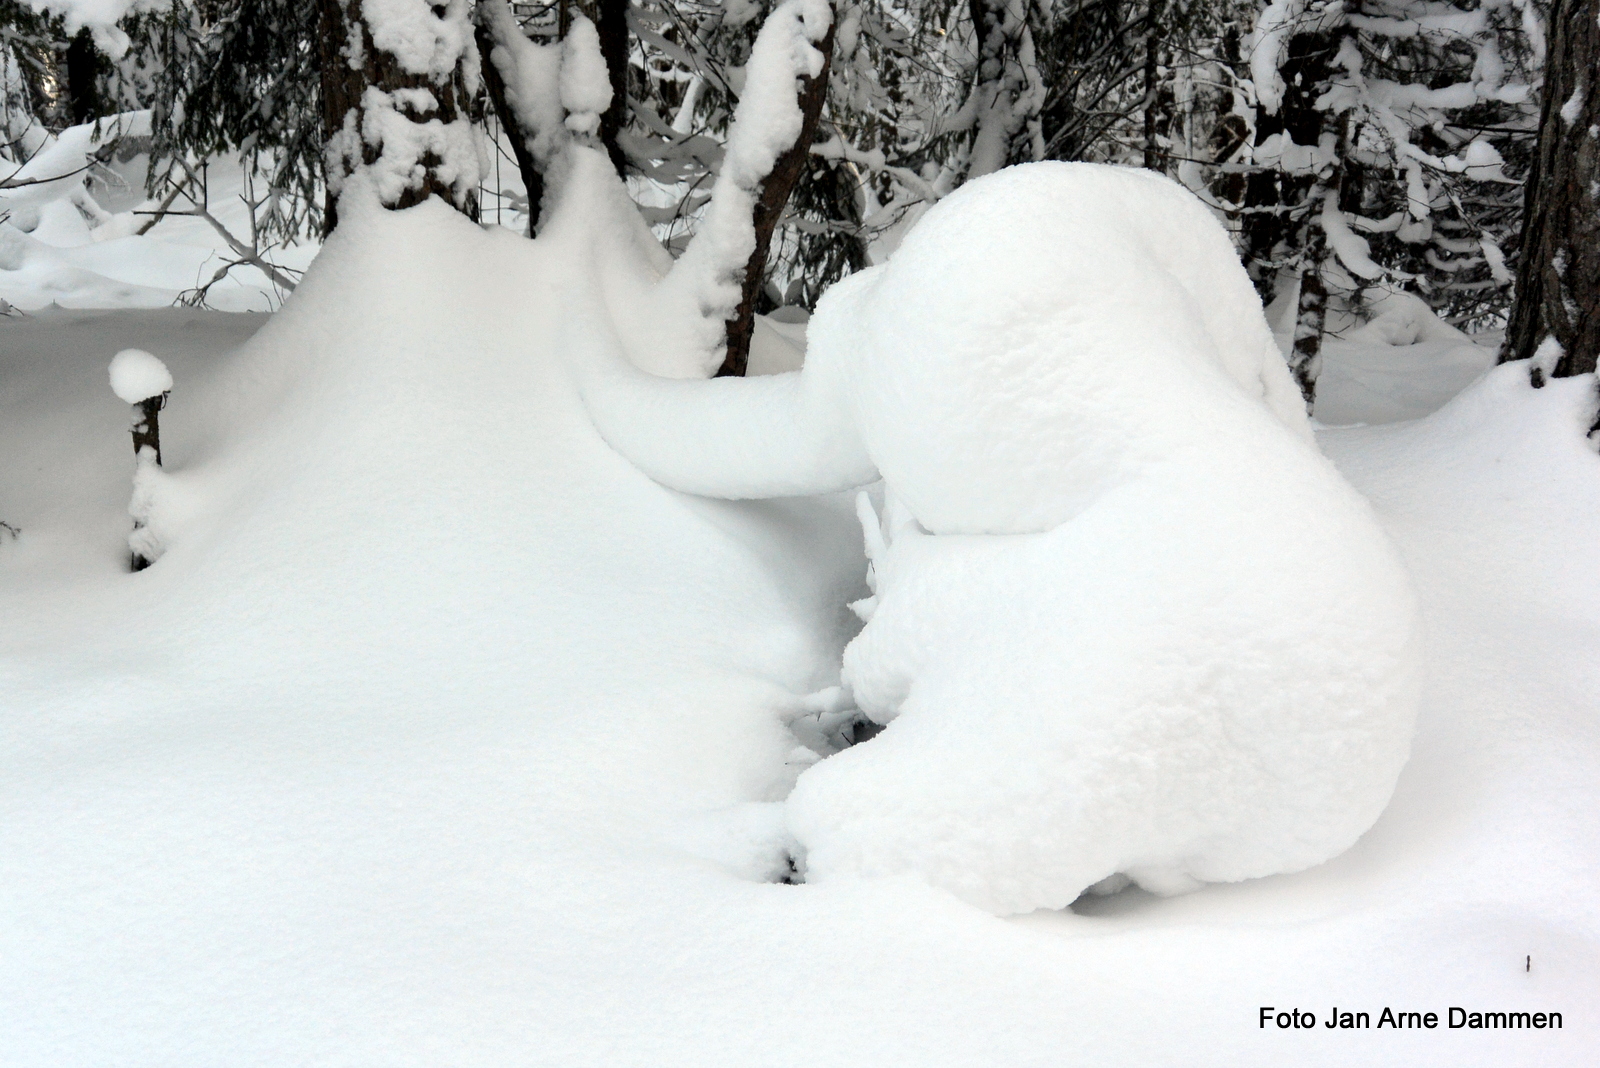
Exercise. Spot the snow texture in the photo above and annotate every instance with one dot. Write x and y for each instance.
(136, 375)
(1353, 251)
(1010, 93)
(1276, 23)
(52, 255)
(1573, 107)
(1546, 357)
(101, 18)
(1191, 655)
(145, 507)
(394, 124)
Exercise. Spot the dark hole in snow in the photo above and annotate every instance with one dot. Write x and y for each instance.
(1124, 902)
(862, 730)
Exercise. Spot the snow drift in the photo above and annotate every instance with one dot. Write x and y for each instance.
(1127, 620)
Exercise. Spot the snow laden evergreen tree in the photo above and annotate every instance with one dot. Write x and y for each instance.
(1392, 120)
(49, 76)
(32, 92)
(1556, 321)
(927, 96)
(245, 78)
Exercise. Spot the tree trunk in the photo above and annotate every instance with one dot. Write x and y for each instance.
(612, 25)
(532, 176)
(1269, 231)
(345, 109)
(1152, 64)
(775, 192)
(146, 435)
(83, 75)
(1558, 275)
(147, 428)
(1311, 312)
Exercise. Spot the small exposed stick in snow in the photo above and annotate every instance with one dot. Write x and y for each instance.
(7, 528)
(143, 381)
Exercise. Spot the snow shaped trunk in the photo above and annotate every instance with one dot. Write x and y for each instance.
(1558, 277)
(494, 85)
(775, 191)
(395, 99)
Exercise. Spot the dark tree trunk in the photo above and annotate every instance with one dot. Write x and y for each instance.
(343, 86)
(83, 76)
(769, 209)
(532, 177)
(147, 428)
(146, 435)
(1152, 64)
(1311, 312)
(1270, 232)
(1558, 275)
(981, 28)
(612, 26)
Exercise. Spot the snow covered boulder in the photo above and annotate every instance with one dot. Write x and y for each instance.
(1127, 620)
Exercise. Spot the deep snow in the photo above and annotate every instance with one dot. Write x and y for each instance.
(443, 735)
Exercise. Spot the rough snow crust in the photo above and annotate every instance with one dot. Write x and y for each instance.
(1127, 619)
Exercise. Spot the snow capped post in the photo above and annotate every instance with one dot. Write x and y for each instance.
(398, 78)
(139, 379)
(768, 144)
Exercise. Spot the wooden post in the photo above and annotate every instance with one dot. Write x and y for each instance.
(146, 435)
(147, 426)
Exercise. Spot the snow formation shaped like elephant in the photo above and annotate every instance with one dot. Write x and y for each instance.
(1127, 620)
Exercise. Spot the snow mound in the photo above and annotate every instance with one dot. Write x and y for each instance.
(1152, 631)
(136, 376)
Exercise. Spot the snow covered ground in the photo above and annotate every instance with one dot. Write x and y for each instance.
(441, 735)
(61, 259)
